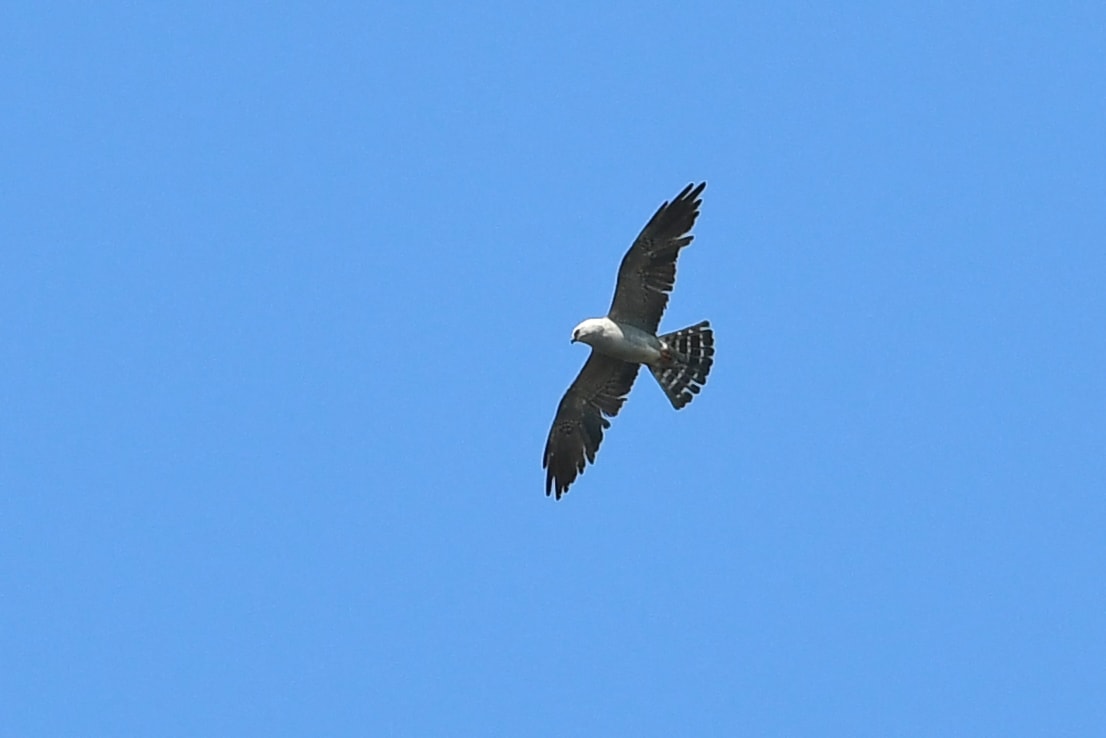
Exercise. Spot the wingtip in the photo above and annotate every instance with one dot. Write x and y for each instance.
(690, 193)
(553, 486)
(556, 493)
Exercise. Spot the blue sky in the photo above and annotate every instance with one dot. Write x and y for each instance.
(287, 294)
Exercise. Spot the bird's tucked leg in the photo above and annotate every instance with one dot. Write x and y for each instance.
(670, 356)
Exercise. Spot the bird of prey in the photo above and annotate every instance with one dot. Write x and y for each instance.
(627, 338)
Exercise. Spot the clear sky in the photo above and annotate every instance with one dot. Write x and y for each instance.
(286, 293)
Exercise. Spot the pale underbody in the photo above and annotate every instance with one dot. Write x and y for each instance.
(621, 341)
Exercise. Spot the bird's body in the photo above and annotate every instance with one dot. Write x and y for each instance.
(619, 340)
(626, 339)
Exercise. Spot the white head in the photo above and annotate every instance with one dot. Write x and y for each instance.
(587, 331)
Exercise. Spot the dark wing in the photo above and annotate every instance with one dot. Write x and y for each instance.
(599, 389)
(648, 270)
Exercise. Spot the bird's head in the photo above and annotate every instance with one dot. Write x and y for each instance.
(584, 331)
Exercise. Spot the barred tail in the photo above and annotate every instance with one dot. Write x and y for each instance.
(692, 354)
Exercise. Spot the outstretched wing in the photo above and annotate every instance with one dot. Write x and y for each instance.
(599, 390)
(648, 270)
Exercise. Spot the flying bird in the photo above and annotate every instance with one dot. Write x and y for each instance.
(627, 338)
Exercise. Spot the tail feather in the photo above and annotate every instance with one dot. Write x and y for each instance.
(692, 356)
